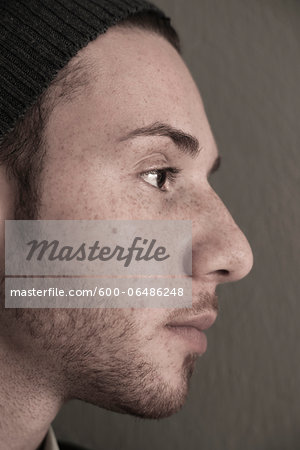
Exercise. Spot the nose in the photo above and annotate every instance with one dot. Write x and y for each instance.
(221, 253)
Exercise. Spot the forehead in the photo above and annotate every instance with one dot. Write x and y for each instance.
(137, 78)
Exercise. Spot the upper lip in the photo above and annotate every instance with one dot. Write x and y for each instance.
(200, 322)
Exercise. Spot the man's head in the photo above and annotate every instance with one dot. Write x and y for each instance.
(112, 124)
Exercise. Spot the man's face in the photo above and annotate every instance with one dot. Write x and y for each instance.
(96, 168)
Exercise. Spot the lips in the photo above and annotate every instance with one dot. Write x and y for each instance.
(190, 331)
(200, 322)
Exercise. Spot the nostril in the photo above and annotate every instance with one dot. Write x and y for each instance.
(223, 272)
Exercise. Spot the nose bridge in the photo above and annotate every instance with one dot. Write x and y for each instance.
(220, 248)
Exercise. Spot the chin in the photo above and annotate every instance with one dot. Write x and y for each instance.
(155, 397)
(168, 398)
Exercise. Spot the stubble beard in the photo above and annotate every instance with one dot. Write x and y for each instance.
(126, 380)
(107, 369)
(97, 356)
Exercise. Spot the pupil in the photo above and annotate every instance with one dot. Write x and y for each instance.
(161, 178)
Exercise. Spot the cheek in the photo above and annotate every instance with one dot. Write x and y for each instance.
(79, 188)
(186, 202)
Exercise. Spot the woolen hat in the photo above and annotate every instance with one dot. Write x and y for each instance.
(39, 37)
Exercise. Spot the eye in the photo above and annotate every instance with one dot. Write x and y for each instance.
(159, 177)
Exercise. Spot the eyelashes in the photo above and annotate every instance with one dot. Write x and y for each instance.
(160, 178)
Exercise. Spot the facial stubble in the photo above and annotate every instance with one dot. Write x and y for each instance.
(97, 356)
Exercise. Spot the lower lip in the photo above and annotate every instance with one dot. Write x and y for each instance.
(196, 339)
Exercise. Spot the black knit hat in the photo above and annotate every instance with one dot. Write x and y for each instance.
(39, 37)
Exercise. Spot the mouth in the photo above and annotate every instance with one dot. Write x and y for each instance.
(190, 330)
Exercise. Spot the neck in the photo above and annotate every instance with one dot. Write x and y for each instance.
(28, 401)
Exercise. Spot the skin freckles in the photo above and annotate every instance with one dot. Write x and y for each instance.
(126, 359)
(99, 173)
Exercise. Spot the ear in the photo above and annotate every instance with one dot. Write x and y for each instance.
(7, 190)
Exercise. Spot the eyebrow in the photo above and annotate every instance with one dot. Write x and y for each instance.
(185, 142)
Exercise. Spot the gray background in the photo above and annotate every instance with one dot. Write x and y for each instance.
(245, 57)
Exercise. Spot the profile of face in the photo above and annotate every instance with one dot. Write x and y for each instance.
(127, 149)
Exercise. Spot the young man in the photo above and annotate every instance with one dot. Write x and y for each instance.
(101, 119)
